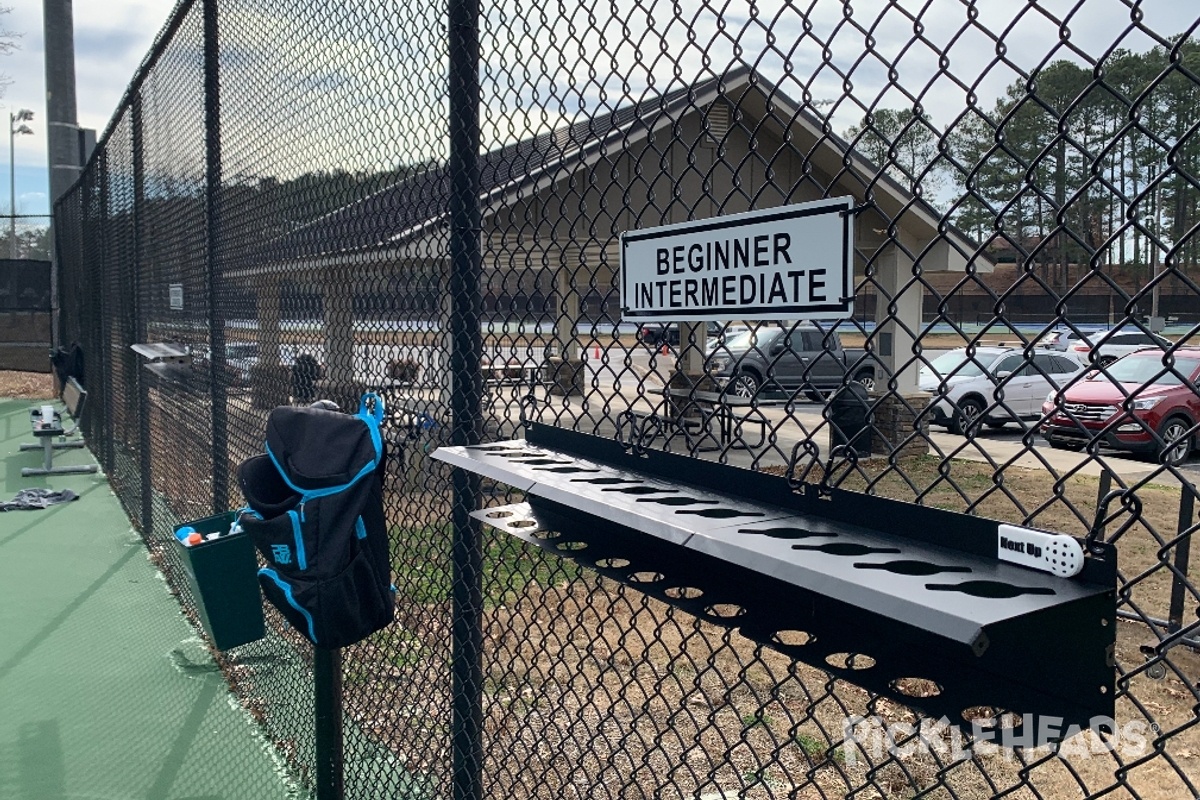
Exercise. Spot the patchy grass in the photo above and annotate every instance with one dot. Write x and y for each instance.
(421, 558)
(818, 749)
(589, 683)
(750, 720)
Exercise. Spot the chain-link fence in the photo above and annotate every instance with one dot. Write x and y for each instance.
(319, 198)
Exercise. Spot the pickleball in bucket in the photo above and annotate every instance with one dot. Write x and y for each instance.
(222, 572)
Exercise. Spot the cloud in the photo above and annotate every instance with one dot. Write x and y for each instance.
(111, 37)
(324, 84)
(940, 54)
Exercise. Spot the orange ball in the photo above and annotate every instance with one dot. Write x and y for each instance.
(193, 538)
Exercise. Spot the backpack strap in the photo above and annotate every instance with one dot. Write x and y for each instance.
(372, 414)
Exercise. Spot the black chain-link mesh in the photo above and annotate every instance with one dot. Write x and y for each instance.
(1027, 182)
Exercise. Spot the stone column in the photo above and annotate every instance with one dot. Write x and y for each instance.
(270, 296)
(339, 382)
(564, 371)
(898, 309)
(895, 430)
(270, 379)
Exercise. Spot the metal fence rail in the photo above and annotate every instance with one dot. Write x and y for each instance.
(320, 198)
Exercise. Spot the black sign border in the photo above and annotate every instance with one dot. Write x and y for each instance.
(842, 206)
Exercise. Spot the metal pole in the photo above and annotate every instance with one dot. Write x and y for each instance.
(107, 316)
(12, 186)
(327, 688)
(1154, 287)
(1132, 616)
(466, 734)
(139, 315)
(1183, 551)
(1102, 492)
(62, 124)
(212, 217)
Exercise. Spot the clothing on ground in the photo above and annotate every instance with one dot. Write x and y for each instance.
(34, 499)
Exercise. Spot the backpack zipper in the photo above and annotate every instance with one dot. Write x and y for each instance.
(301, 556)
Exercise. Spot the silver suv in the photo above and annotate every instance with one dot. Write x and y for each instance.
(1058, 339)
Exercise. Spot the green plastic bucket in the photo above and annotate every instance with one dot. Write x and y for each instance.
(223, 576)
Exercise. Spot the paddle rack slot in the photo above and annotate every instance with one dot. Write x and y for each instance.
(916, 593)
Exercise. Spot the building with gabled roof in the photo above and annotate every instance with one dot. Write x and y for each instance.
(554, 206)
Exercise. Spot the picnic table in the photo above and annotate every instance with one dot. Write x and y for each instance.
(705, 415)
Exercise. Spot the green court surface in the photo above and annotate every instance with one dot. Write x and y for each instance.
(105, 689)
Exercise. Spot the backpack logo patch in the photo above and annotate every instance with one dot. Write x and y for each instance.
(281, 553)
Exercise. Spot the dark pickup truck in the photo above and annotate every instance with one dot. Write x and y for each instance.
(774, 358)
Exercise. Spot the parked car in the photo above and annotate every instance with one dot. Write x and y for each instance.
(659, 333)
(240, 360)
(1125, 407)
(1059, 339)
(1104, 347)
(780, 358)
(995, 385)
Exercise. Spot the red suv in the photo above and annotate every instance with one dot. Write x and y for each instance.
(1136, 404)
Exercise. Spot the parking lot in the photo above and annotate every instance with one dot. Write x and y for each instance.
(1018, 443)
(623, 373)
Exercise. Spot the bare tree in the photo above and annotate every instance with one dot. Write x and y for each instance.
(8, 44)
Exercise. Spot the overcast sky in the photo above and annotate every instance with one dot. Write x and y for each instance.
(112, 36)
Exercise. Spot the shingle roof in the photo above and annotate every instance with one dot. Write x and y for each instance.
(408, 209)
(412, 208)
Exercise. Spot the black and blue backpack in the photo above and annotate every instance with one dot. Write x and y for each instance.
(315, 513)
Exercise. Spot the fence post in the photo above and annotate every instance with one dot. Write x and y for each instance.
(104, 339)
(327, 695)
(1102, 492)
(139, 314)
(1183, 551)
(212, 217)
(466, 734)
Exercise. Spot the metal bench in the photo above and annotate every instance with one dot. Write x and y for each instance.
(46, 431)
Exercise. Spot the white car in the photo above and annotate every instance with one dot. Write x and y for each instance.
(1059, 339)
(1101, 348)
(996, 386)
(725, 332)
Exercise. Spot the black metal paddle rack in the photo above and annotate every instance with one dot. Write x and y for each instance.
(880, 592)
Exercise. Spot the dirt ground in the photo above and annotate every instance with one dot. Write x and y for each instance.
(26, 385)
(590, 683)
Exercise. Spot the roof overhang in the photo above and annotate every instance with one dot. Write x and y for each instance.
(934, 242)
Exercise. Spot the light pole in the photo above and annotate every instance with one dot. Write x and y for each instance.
(1152, 246)
(16, 126)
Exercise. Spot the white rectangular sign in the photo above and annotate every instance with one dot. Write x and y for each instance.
(175, 296)
(789, 263)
